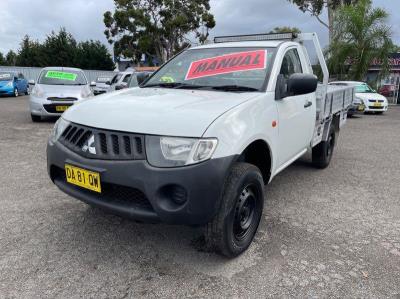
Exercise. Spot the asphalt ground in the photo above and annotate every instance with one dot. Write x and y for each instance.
(329, 233)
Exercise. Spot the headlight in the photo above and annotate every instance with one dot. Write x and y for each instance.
(58, 129)
(175, 151)
(358, 101)
(10, 84)
(36, 92)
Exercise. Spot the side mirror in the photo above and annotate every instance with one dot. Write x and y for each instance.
(123, 85)
(31, 82)
(142, 78)
(92, 84)
(297, 84)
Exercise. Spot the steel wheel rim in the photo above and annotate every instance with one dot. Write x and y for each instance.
(245, 212)
(16, 92)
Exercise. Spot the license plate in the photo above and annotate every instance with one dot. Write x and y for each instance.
(61, 108)
(377, 104)
(83, 178)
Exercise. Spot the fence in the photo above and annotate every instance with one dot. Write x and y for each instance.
(32, 73)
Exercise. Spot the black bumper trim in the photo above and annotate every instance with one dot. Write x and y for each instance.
(202, 184)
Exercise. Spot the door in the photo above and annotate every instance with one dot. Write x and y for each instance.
(21, 83)
(296, 113)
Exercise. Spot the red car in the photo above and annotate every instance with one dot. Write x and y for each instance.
(387, 90)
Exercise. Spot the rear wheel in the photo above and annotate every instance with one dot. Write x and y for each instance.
(234, 226)
(322, 153)
(36, 118)
(27, 91)
(16, 93)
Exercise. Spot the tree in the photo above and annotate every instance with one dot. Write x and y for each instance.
(94, 55)
(11, 58)
(316, 7)
(360, 34)
(30, 53)
(156, 27)
(60, 49)
(285, 29)
(2, 60)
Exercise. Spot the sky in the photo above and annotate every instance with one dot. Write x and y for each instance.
(84, 18)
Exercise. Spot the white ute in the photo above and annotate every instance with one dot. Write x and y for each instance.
(197, 142)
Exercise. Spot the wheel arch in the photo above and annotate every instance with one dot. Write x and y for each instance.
(258, 153)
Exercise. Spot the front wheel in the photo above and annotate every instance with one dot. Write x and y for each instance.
(322, 153)
(27, 91)
(36, 118)
(234, 226)
(16, 93)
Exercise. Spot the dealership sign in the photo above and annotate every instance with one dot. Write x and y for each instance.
(394, 62)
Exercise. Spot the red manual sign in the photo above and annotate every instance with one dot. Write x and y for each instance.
(230, 63)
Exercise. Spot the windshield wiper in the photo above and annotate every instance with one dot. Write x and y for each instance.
(177, 85)
(234, 88)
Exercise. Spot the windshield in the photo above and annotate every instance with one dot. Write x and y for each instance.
(233, 69)
(364, 88)
(133, 82)
(103, 80)
(6, 76)
(57, 77)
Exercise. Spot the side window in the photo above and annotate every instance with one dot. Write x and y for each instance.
(291, 64)
(126, 79)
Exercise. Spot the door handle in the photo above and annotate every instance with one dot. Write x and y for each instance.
(308, 104)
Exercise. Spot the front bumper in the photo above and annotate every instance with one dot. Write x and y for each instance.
(356, 109)
(6, 91)
(371, 108)
(44, 107)
(136, 190)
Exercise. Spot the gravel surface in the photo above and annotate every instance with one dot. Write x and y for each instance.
(329, 233)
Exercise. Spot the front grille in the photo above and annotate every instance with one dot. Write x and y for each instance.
(112, 193)
(376, 101)
(62, 99)
(375, 107)
(51, 108)
(103, 144)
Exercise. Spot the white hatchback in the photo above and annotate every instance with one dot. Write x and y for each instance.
(373, 101)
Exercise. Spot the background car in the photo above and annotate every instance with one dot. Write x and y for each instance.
(133, 81)
(12, 84)
(102, 85)
(56, 89)
(120, 79)
(387, 90)
(373, 101)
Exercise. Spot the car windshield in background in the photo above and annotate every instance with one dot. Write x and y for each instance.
(364, 88)
(226, 69)
(133, 82)
(57, 77)
(103, 80)
(6, 76)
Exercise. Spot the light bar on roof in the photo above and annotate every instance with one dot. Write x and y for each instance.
(255, 37)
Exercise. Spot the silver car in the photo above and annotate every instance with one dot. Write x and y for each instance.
(103, 85)
(56, 89)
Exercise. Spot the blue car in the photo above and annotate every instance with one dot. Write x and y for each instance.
(12, 84)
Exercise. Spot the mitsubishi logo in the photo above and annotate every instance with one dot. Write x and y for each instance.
(89, 146)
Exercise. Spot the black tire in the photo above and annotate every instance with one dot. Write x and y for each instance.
(16, 93)
(234, 226)
(322, 153)
(36, 118)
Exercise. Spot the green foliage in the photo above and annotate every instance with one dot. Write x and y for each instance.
(93, 55)
(61, 49)
(157, 28)
(361, 34)
(285, 29)
(11, 58)
(2, 59)
(30, 53)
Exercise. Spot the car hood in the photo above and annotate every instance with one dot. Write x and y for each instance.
(370, 96)
(4, 83)
(157, 111)
(61, 90)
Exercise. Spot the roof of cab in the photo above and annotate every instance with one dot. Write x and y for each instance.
(251, 44)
